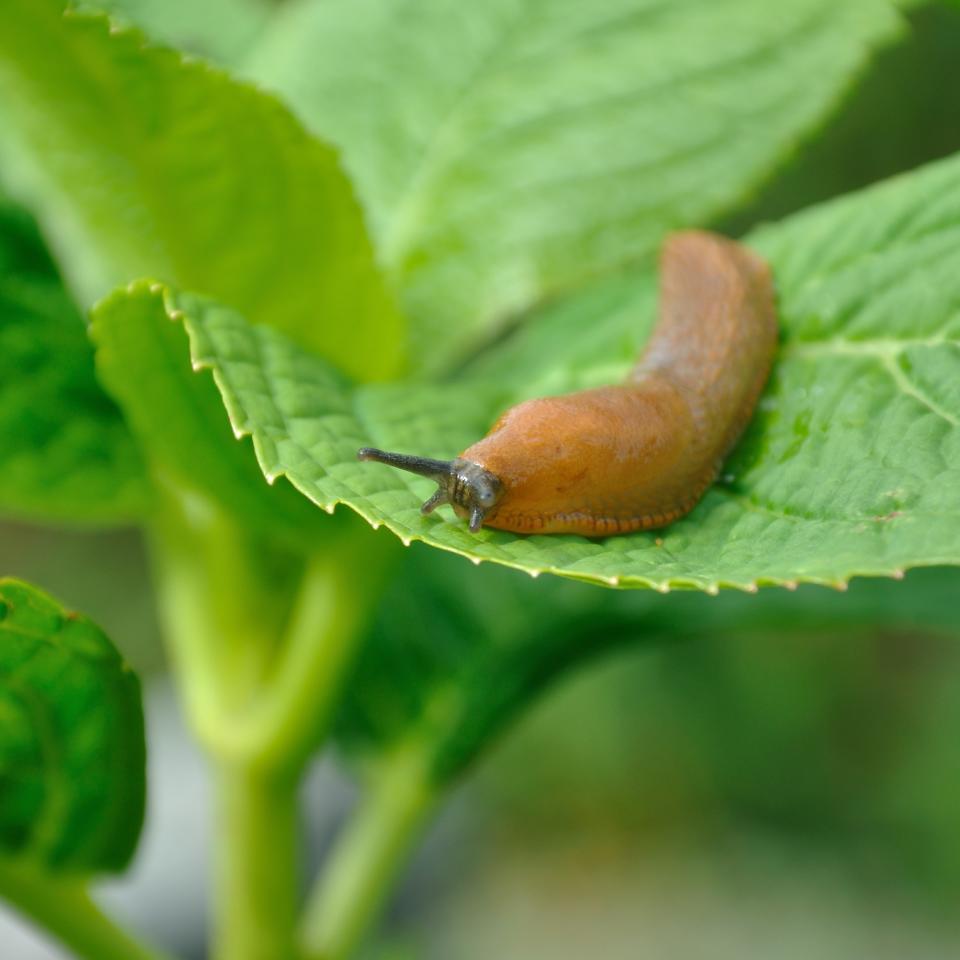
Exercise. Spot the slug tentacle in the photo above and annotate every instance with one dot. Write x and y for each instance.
(424, 466)
(437, 500)
(471, 490)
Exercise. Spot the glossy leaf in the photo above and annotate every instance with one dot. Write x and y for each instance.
(71, 738)
(65, 451)
(143, 164)
(516, 149)
(850, 467)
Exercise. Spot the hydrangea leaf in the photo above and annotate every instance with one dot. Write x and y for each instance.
(178, 418)
(512, 151)
(851, 465)
(220, 30)
(142, 163)
(65, 451)
(72, 753)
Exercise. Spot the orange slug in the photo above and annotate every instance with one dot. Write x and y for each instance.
(641, 454)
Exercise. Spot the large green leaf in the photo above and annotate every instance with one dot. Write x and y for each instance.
(65, 452)
(71, 738)
(515, 149)
(455, 653)
(140, 163)
(851, 465)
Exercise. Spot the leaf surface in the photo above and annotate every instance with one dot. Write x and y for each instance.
(72, 752)
(516, 149)
(65, 451)
(851, 465)
(140, 163)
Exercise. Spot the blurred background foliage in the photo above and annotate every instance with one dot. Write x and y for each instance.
(788, 790)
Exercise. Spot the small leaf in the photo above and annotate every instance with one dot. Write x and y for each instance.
(514, 151)
(142, 164)
(851, 465)
(71, 738)
(177, 414)
(65, 451)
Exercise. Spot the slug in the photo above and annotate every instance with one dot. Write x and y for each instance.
(638, 455)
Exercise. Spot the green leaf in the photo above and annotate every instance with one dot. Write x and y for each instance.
(456, 653)
(513, 152)
(177, 414)
(71, 738)
(221, 30)
(850, 467)
(143, 164)
(65, 451)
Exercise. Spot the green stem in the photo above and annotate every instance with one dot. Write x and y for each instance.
(364, 865)
(260, 656)
(63, 908)
(291, 717)
(257, 867)
(222, 605)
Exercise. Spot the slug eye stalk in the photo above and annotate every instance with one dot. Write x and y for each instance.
(470, 489)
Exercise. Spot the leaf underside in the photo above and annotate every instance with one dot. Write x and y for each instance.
(72, 754)
(851, 465)
(455, 653)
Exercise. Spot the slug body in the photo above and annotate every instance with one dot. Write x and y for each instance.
(641, 454)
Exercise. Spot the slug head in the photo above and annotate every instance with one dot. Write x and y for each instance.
(471, 490)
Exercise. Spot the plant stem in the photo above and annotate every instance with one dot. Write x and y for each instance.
(257, 866)
(367, 858)
(64, 908)
(291, 717)
(220, 609)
